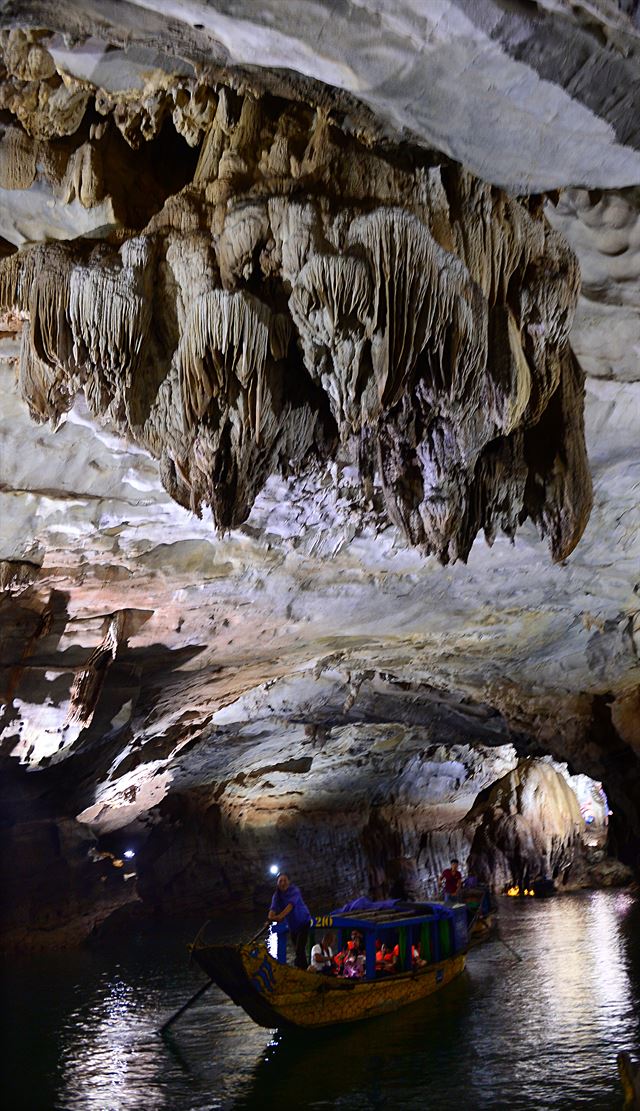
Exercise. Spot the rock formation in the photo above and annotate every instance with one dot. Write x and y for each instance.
(58, 885)
(337, 305)
(528, 825)
(303, 292)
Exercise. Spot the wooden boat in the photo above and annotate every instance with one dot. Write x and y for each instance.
(275, 995)
(481, 912)
(630, 1078)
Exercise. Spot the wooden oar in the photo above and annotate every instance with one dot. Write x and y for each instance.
(510, 948)
(165, 1026)
(262, 929)
(473, 921)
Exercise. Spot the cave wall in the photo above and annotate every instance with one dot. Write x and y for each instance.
(373, 810)
(58, 886)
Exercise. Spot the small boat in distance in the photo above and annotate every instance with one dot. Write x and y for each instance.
(275, 994)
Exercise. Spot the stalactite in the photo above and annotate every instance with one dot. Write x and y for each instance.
(559, 496)
(40, 386)
(89, 681)
(430, 314)
(18, 159)
(109, 310)
(331, 307)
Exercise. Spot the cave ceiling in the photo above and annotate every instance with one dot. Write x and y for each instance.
(320, 370)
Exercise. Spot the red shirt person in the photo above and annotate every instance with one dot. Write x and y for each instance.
(451, 879)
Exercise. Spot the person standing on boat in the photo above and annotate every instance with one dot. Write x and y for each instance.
(451, 880)
(287, 903)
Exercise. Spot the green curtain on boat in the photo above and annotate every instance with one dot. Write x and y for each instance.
(445, 938)
(425, 942)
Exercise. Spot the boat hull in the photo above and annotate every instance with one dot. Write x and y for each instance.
(277, 995)
(483, 929)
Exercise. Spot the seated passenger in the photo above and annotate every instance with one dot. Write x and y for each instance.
(416, 960)
(358, 940)
(322, 955)
(384, 959)
(354, 963)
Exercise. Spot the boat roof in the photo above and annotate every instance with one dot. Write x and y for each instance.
(402, 914)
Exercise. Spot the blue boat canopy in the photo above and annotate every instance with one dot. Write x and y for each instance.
(437, 930)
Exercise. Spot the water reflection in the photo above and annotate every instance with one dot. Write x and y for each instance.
(371, 1064)
(583, 976)
(538, 1033)
(110, 1054)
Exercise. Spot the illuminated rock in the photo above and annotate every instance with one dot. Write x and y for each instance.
(429, 334)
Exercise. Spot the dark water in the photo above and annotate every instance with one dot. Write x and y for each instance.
(538, 1033)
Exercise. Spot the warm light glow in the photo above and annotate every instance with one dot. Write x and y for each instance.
(513, 891)
(274, 869)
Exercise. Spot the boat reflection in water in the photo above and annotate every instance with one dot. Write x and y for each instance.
(376, 1063)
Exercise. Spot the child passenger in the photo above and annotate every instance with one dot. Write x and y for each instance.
(354, 962)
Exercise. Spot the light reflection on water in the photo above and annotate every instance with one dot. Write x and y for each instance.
(542, 1032)
(114, 1046)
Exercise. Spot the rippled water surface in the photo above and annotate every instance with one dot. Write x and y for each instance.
(542, 1032)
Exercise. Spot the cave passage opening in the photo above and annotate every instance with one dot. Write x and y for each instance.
(347, 824)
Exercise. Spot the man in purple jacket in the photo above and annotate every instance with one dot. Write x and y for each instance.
(287, 903)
